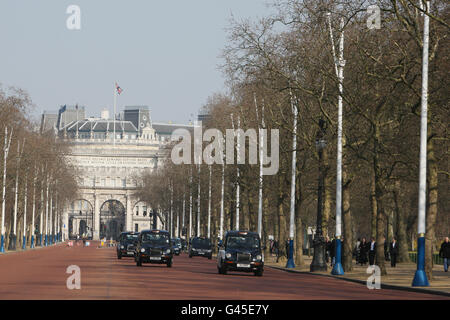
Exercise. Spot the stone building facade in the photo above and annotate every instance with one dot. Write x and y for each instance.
(108, 154)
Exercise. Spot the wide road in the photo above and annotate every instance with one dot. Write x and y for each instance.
(41, 274)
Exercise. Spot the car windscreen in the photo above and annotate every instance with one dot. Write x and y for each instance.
(201, 243)
(155, 238)
(130, 237)
(242, 242)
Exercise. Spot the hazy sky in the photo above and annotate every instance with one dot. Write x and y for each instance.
(164, 54)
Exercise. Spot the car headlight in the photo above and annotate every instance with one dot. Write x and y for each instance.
(228, 255)
(122, 247)
(209, 250)
(143, 250)
(168, 251)
(258, 257)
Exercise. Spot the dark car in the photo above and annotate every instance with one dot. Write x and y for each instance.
(200, 246)
(127, 244)
(176, 245)
(241, 251)
(154, 246)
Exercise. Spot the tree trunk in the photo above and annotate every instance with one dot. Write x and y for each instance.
(265, 226)
(378, 204)
(401, 235)
(432, 209)
(327, 181)
(373, 207)
(380, 238)
(390, 226)
(298, 258)
(347, 257)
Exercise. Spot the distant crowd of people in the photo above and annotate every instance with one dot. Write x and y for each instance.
(364, 251)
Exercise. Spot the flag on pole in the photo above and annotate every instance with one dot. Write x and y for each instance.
(119, 89)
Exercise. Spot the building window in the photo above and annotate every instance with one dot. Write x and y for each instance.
(136, 227)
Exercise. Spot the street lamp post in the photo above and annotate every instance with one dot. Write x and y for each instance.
(420, 277)
(290, 262)
(46, 212)
(318, 263)
(33, 228)
(24, 237)
(339, 68)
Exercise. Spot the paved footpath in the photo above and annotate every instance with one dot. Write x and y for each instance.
(41, 274)
(401, 276)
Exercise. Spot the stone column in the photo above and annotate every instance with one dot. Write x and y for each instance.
(66, 223)
(128, 214)
(96, 233)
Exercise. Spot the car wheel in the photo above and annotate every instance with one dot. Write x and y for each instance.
(210, 257)
(138, 262)
(119, 256)
(169, 264)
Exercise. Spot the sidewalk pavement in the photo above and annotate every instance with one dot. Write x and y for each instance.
(399, 277)
(35, 248)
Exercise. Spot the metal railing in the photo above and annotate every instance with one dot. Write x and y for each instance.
(436, 258)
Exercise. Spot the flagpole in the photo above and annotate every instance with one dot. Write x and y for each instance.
(114, 114)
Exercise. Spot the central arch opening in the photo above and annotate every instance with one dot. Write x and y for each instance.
(81, 219)
(112, 219)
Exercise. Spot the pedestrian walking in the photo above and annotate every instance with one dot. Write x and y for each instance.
(276, 249)
(332, 250)
(363, 248)
(372, 252)
(393, 251)
(445, 253)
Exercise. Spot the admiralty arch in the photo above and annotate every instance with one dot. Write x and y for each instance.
(108, 154)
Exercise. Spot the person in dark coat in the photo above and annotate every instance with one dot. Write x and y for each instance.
(276, 249)
(372, 252)
(445, 253)
(332, 250)
(363, 252)
(287, 249)
(393, 251)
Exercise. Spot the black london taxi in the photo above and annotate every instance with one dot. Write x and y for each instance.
(176, 245)
(241, 251)
(200, 246)
(127, 244)
(154, 246)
